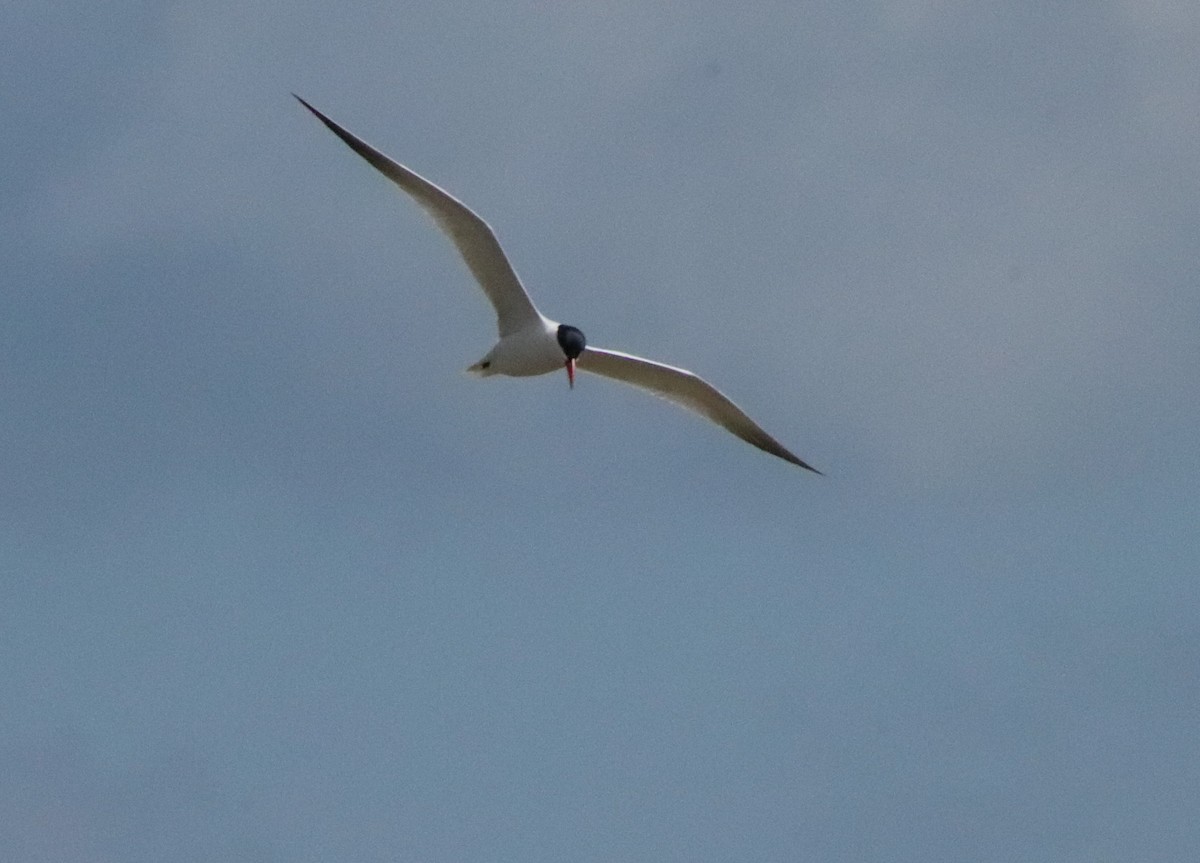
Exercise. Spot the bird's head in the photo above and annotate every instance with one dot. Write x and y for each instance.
(572, 342)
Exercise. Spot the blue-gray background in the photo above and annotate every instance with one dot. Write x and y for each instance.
(281, 583)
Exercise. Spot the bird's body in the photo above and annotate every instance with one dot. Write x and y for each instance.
(532, 344)
(531, 350)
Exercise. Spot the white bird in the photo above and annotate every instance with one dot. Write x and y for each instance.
(532, 344)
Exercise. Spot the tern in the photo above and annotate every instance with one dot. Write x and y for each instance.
(532, 344)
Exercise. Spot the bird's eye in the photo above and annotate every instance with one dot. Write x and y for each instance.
(485, 365)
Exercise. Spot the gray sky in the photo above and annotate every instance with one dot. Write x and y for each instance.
(282, 584)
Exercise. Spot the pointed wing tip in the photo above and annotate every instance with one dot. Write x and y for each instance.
(801, 463)
(311, 109)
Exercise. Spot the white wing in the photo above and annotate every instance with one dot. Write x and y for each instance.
(473, 236)
(686, 389)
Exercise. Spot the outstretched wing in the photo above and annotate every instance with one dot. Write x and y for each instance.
(687, 390)
(475, 239)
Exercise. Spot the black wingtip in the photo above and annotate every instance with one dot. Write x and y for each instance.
(807, 466)
(311, 109)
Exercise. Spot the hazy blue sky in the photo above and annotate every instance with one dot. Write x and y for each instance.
(281, 583)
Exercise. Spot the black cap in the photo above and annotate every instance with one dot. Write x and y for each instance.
(571, 340)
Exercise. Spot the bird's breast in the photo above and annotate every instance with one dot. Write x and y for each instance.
(530, 351)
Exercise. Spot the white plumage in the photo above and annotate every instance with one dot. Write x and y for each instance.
(532, 344)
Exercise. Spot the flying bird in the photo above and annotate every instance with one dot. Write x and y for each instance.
(532, 344)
